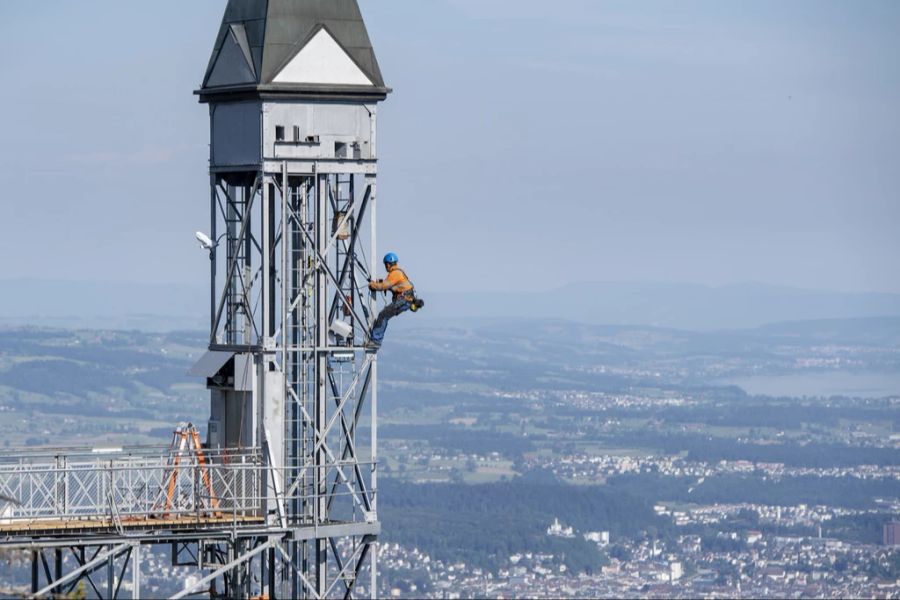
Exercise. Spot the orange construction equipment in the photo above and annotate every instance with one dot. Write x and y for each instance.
(186, 439)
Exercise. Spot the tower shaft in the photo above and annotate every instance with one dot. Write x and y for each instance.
(293, 88)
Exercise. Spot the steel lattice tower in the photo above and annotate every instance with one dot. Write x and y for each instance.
(293, 87)
(281, 498)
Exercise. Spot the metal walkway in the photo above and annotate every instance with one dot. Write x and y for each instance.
(78, 490)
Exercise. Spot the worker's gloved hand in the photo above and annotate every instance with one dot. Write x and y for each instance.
(373, 284)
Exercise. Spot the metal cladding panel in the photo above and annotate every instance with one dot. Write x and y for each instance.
(244, 372)
(320, 119)
(238, 421)
(330, 123)
(210, 364)
(217, 405)
(235, 134)
(232, 66)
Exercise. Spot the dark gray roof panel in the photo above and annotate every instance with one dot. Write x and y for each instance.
(276, 30)
(210, 364)
(292, 22)
(245, 10)
(232, 66)
(250, 13)
(240, 36)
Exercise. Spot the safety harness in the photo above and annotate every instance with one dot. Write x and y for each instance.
(406, 290)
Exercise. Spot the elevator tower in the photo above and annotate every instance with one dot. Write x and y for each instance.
(292, 88)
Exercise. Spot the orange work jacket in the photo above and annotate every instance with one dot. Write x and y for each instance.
(396, 282)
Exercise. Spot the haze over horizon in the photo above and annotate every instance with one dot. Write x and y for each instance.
(695, 307)
(526, 146)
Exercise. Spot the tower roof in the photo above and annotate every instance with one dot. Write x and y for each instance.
(291, 47)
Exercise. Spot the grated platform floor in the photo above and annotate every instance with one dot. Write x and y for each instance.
(50, 526)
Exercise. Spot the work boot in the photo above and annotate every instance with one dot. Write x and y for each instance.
(372, 347)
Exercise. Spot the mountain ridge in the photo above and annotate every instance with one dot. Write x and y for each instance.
(696, 307)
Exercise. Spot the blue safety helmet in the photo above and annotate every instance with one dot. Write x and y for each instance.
(391, 259)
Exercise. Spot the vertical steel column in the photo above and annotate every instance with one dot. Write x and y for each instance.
(268, 265)
(58, 564)
(373, 482)
(136, 571)
(286, 286)
(373, 311)
(232, 579)
(248, 257)
(321, 395)
(212, 257)
(246, 580)
(264, 573)
(270, 557)
(111, 574)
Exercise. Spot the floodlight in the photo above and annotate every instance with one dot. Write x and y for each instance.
(341, 329)
(205, 242)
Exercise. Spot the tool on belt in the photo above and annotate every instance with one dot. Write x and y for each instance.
(400, 289)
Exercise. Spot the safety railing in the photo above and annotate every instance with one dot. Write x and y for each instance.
(145, 487)
(122, 488)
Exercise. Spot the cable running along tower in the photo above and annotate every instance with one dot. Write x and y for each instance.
(280, 500)
(292, 88)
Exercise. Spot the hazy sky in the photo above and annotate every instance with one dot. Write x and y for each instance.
(527, 144)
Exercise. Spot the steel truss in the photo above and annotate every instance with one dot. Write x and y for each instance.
(297, 250)
(247, 565)
(295, 264)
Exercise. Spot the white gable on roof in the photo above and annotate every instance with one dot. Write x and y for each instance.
(233, 66)
(322, 61)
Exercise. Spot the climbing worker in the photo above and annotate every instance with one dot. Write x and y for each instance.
(404, 299)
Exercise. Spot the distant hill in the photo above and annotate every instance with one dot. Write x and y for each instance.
(682, 306)
(150, 307)
(884, 331)
(104, 305)
(567, 342)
